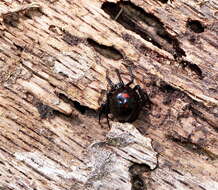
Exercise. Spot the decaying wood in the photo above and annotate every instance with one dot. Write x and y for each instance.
(53, 61)
(106, 161)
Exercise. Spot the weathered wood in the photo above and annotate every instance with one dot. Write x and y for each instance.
(53, 61)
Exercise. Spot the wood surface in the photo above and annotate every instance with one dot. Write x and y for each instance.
(54, 56)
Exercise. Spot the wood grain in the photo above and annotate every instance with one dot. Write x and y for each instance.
(54, 56)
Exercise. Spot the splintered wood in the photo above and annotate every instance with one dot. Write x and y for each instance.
(106, 161)
(54, 56)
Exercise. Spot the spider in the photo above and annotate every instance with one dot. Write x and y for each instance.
(123, 102)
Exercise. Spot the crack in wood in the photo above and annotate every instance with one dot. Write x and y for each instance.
(107, 51)
(12, 17)
(193, 147)
(193, 67)
(148, 26)
(69, 135)
(77, 105)
(195, 26)
(164, 1)
(137, 178)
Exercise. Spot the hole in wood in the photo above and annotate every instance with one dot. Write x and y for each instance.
(45, 111)
(71, 39)
(126, 18)
(136, 172)
(170, 93)
(18, 47)
(107, 51)
(193, 67)
(11, 19)
(137, 183)
(193, 147)
(163, 1)
(81, 108)
(166, 88)
(33, 12)
(195, 26)
(148, 26)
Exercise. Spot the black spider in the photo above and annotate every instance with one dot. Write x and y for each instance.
(123, 102)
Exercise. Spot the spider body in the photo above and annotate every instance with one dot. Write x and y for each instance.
(123, 102)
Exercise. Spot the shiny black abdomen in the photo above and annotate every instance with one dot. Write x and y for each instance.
(124, 104)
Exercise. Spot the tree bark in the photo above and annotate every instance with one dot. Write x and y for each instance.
(54, 56)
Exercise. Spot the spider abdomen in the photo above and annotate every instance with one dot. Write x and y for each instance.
(124, 104)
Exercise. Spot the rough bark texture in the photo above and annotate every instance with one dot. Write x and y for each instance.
(53, 61)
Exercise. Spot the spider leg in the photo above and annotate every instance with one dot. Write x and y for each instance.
(108, 121)
(145, 101)
(104, 109)
(109, 81)
(108, 109)
(120, 79)
(131, 75)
